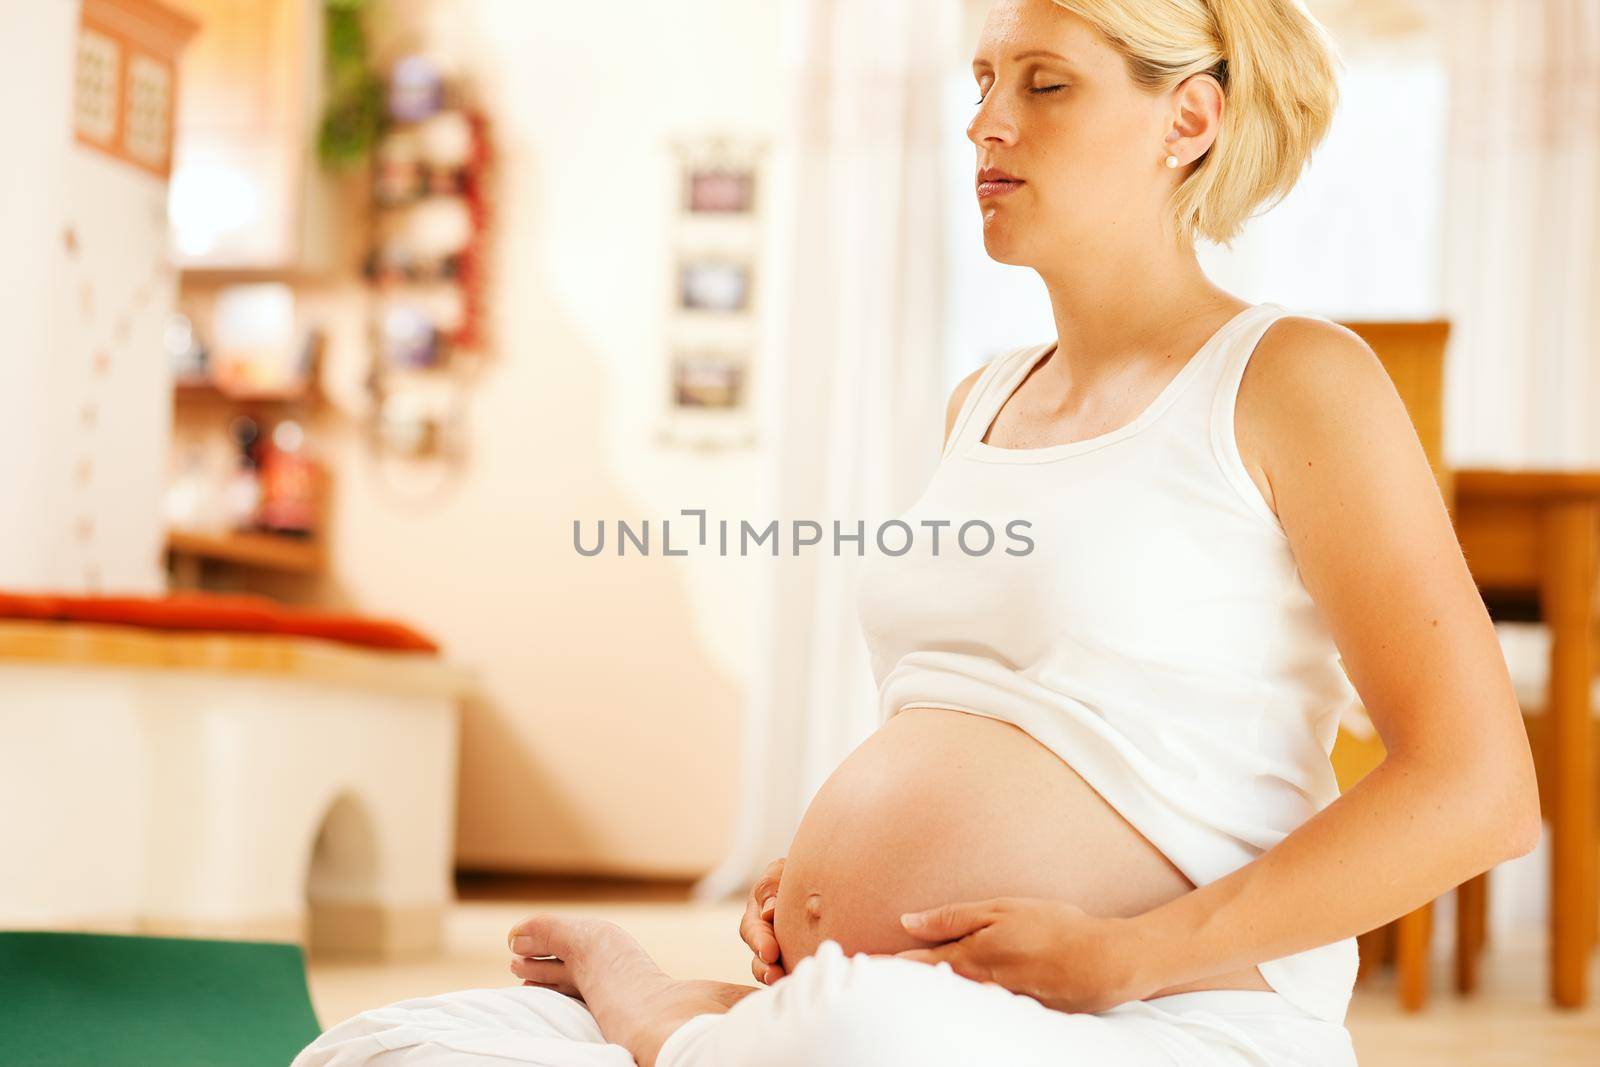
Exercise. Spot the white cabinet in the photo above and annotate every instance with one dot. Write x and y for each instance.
(85, 292)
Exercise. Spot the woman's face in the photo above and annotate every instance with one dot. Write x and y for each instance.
(1059, 112)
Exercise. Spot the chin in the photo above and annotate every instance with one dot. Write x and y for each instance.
(1003, 251)
(999, 241)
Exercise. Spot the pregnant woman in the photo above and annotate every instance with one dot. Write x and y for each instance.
(1102, 769)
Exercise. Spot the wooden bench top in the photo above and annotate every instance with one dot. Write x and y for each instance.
(24, 642)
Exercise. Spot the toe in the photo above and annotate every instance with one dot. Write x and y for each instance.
(549, 973)
(544, 934)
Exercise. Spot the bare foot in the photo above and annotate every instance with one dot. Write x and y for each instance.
(636, 1003)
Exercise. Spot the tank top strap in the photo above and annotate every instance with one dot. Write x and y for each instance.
(988, 393)
(1228, 363)
(1241, 345)
(1218, 404)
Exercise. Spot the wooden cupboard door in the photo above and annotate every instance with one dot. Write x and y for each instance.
(125, 83)
(244, 158)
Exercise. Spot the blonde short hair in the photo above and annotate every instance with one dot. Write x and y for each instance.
(1277, 66)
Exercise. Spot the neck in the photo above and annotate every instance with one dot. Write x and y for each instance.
(1119, 306)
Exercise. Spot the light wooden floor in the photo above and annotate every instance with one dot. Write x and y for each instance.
(1507, 1023)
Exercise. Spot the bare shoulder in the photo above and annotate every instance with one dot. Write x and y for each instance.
(1376, 549)
(1311, 379)
(958, 397)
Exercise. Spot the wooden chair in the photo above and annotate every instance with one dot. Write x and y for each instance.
(1413, 354)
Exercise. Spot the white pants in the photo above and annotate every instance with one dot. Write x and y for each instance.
(838, 1011)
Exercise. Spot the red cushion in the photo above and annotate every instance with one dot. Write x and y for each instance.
(217, 613)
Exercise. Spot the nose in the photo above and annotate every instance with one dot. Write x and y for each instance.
(993, 123)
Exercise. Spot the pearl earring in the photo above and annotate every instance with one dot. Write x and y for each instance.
(1172, 162)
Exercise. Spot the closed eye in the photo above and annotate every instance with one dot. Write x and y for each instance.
(1039, 91)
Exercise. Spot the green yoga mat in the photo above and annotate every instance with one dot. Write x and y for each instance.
(105, 1000)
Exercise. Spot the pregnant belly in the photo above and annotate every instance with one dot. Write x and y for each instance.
(940, 806)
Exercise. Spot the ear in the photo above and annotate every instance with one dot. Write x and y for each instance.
(1197, 106)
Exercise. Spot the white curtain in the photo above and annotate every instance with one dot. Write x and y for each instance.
(854, 387)
(1521, 256)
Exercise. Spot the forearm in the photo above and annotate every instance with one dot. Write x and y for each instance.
(1400, 837)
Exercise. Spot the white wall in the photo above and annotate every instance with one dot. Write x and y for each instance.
(606, 735)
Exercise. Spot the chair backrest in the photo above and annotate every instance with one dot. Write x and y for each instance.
(1413, 354)
(112, 1000)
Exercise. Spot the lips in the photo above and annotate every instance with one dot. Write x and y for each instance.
(988, 189)
(995, 174)
(992, 181)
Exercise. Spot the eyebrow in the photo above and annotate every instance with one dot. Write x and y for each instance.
(1025, 55)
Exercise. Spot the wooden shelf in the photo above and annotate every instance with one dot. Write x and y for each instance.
(207, 392)
(305, 392)
(219, 277)
(278, 552)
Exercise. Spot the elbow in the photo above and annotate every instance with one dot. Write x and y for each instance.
(1525, 833)
(1506, 785)
(1497, 804)
(1520, 822)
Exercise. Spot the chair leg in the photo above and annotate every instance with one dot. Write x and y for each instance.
(1373, 947)
(1414, 932)
(1594, 879)
(1472, 907)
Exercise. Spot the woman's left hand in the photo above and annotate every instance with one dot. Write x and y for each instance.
(1050, 950)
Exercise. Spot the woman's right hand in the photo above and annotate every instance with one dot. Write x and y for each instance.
(756, 927)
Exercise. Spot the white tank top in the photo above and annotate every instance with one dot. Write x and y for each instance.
(1157, 636)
